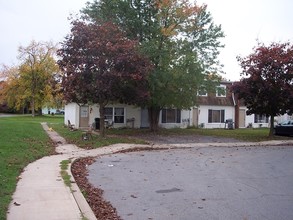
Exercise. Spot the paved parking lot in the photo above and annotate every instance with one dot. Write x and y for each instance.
(198, 183)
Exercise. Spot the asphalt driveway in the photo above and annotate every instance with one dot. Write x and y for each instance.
(198, 183)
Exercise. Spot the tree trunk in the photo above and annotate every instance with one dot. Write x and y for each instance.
(154, 114)
(33, 107)
(271, 126)
(102, 119)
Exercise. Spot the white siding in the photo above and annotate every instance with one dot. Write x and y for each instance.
(203, 113)
(186, 119)
(250, 120)
(133, 112)
(130, 112)
(71, 113)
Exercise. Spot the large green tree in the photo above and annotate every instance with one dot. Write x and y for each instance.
(180, 39)
(267, 83)
(34, 80)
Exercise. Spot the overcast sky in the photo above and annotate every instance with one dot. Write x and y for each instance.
(243, 21)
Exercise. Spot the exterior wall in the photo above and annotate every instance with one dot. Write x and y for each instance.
(203, 115)
(93, 113)
(135, 112)
(71, 113)
(249, 119)
(186, 119)
(130, 112)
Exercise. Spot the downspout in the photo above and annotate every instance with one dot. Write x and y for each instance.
(236, 107)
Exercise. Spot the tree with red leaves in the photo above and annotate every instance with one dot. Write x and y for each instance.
(267, 83)
(101, 65)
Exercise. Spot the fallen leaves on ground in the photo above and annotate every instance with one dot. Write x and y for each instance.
(102, 209)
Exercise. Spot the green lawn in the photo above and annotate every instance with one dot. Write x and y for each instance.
(22, 141)
(246, 134)
(75, 137)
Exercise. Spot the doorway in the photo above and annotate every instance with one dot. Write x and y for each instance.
(195, 117)
(84, 116)
(144, 118)
(242, 114)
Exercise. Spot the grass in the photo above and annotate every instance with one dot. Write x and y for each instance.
(65, 176)
(22, 141)
(246, 134)
(115, 136)
(74, 137)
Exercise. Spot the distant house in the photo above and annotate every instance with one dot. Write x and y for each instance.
(52, 111)
(214, 110)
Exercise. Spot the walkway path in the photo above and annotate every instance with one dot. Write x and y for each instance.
(42, 194)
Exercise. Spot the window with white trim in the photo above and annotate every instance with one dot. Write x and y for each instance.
(108, 113)
(118, 115)
(261, 119)
(115, 114)
(202, 92)
(216, 116)
(171, 115)
(221, 91)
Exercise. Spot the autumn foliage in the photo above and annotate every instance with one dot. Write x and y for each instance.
(35, 82)
(180, 39)
(267, 83)
(101, 65)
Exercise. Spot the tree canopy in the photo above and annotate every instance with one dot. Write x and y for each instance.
(101, 65)
(179, 38)
(267, 83)
(34, 80)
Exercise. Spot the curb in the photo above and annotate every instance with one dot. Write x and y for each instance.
(80, 200)
(73, 153)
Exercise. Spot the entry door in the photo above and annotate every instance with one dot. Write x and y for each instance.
(144, 118)
(242, 118)
(195, 117)
(84, 116)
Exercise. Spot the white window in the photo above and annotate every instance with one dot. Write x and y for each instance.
(202, 92)
(261, 119)
(115, 114)
(118, 115)
(221, 91)
(171, 115)
(216, 116)
(109, 113)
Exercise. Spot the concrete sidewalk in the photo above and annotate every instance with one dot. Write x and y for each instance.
(42, 194)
